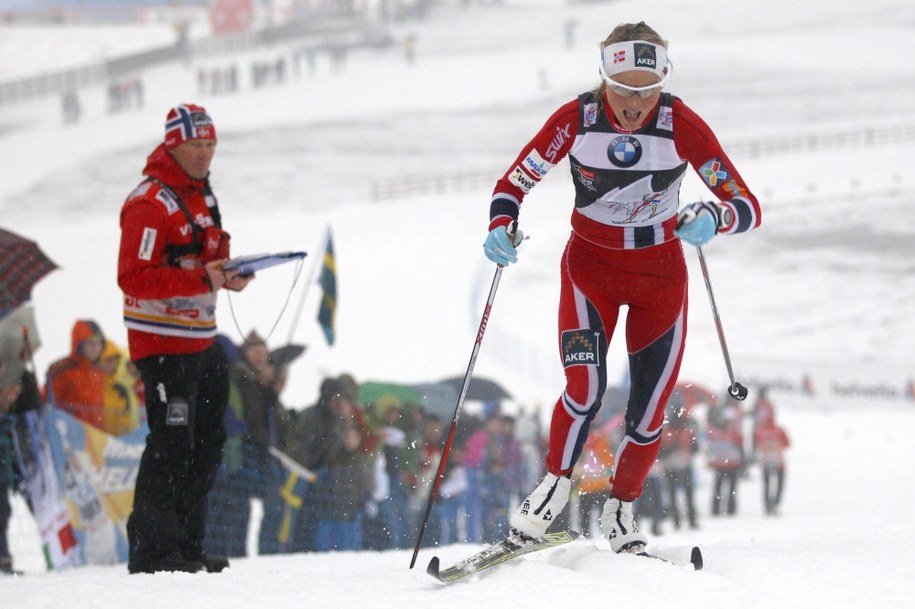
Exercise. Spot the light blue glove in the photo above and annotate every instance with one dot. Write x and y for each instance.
(500, 247)
(698, 223)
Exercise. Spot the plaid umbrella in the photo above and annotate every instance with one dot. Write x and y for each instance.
(22, 264)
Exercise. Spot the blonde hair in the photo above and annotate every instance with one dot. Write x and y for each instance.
(622, 33)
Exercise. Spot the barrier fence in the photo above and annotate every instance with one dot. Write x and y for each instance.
(349, 31)
(398, 187)
(813, 142)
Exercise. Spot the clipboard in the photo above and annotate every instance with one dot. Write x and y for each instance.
(248, 265)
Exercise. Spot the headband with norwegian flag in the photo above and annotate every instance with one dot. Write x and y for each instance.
(188, 122)
(634, 55)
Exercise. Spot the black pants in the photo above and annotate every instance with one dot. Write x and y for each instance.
(651, 505)
(7, 481)
(773, 483)
(724, 495)
(681, 480)
(186, 398)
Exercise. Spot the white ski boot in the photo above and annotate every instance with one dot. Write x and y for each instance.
(617, 523)
(536, 513)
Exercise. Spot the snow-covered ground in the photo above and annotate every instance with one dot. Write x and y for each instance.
(825, 284)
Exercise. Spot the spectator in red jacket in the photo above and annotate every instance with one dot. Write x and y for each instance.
(763, 410)
(679, 446)
(770, 441)
(725, 455)
(170, 268)
(76, 383)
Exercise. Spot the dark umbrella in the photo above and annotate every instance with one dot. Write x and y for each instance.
(285, 355)
(438, 399)
(480, 389)
(22, 264)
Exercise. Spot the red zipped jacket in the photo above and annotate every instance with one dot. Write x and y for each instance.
(169, 229)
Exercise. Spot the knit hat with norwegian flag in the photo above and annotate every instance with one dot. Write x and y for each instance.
(188, 122)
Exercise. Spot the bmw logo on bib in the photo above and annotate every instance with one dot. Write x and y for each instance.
(624, 151)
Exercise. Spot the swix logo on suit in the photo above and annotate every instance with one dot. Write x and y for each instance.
(563, 134)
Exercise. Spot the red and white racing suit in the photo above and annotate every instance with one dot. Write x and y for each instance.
(622, 251)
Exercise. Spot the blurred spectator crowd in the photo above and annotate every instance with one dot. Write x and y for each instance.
(346, 473)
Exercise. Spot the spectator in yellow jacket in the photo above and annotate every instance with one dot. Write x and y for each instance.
(121, 412)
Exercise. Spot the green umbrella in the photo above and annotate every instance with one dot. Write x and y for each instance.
(371, 392)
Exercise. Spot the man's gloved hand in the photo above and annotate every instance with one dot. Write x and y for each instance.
(698, 222)
(500, 247)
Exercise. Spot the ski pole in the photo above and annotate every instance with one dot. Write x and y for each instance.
(736, 390)
(440, 472)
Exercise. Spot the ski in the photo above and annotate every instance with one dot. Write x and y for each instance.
(695, 558)
(509, 549)
(495, 554)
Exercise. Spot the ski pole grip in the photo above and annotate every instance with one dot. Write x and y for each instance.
(515, 233)
(686, 216)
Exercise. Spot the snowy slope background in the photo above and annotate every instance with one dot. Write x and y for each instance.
(826, 284)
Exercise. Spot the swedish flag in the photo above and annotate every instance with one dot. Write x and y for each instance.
(328, 281)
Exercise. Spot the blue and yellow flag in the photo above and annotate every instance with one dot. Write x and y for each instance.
(328, 281)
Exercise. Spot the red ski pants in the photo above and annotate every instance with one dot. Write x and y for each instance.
(596, 283)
